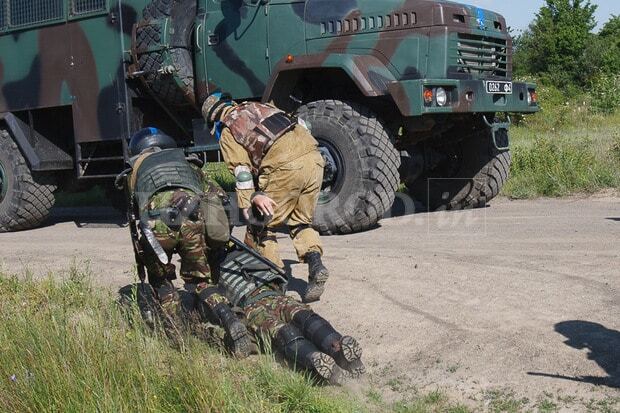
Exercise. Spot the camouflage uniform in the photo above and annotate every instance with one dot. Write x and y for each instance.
(273, 317)
(288, 169)
(189, 239)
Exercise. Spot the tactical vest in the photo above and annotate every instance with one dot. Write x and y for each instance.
(256, 126)
(161, 170)
(241, 275)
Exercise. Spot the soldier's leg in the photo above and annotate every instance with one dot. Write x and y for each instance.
(195, 270)
(237, 339)
(161, 275)
(305, 238)
(344, 349)
(283, 186)
(265, 320)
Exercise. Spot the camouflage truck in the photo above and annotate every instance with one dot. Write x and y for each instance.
(394, 91)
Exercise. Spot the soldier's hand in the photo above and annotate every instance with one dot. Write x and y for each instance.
(264, 204)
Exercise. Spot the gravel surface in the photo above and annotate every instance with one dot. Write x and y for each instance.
(521, 299)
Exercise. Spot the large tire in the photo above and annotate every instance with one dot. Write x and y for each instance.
(362, 187)
(471, 173)
(25, 200)
(173, 89)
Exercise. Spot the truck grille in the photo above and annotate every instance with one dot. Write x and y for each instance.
(482, 56)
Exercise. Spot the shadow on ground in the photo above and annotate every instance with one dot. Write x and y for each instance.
(87, 217)
(603, 345)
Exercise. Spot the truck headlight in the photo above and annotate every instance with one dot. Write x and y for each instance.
(441, 96)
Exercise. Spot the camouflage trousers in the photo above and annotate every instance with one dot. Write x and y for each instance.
(295, 188)
(265, 317)
(188, 241)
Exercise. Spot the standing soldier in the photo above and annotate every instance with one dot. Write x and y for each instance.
(176, 215)
(268, 150)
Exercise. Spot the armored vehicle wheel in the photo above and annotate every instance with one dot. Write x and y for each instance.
(361, 166)
(468, 174)
(174, 87)
(25, 201)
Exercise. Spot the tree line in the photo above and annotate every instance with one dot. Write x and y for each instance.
(560, 49)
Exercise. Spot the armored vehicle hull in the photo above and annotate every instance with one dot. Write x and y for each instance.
(394, 91)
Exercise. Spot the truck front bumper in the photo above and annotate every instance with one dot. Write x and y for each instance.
(463, 96)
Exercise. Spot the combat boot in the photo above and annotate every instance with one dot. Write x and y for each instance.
(317, 277)
(302, 353)
(345, 350)
(237, 338)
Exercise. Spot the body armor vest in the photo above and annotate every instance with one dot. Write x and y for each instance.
(241, 275)
(161, 170)
(256, 126)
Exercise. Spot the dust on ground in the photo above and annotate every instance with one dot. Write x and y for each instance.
(518, 302)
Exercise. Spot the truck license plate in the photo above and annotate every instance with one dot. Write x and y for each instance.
(496, 87)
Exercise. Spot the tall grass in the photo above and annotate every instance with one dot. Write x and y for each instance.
(564, 149)
(67, 346)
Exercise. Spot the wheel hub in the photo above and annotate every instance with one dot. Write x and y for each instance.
(331, 173)
(4, 185)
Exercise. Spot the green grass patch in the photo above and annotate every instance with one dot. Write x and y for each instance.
(220, 173)
(68, 346)
(579, 158)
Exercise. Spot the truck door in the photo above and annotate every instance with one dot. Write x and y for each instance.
(236, 51)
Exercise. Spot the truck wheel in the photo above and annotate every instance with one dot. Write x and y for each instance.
(361, 166)
(25, 202)
(468, 174)
(177, 88)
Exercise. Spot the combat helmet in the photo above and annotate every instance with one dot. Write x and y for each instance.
(213, 106)
(149, 138)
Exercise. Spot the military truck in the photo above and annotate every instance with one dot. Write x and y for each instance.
(406, 91)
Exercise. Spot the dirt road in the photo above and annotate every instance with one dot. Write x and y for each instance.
(521, 299)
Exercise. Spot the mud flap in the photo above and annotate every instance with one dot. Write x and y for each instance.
(496, 127)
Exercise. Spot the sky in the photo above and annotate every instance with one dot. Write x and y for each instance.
(519, 13)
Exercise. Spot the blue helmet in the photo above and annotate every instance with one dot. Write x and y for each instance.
(149, 138)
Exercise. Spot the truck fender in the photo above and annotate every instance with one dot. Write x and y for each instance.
(368, 73)
(42, 156)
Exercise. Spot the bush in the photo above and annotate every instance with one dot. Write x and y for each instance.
(605, 93)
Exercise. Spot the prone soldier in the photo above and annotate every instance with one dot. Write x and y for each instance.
(268, 150)
(303, 337)
(178, 212)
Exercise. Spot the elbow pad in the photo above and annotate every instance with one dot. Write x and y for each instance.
(243, 177)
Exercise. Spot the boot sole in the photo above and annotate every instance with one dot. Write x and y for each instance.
(240, 343)
(352, 354)
(326, 368)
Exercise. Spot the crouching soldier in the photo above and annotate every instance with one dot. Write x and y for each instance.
(303, 337)
(262, 143)
(175, 215)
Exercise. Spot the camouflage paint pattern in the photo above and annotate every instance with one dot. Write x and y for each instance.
(72, 59)
(81, 58)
